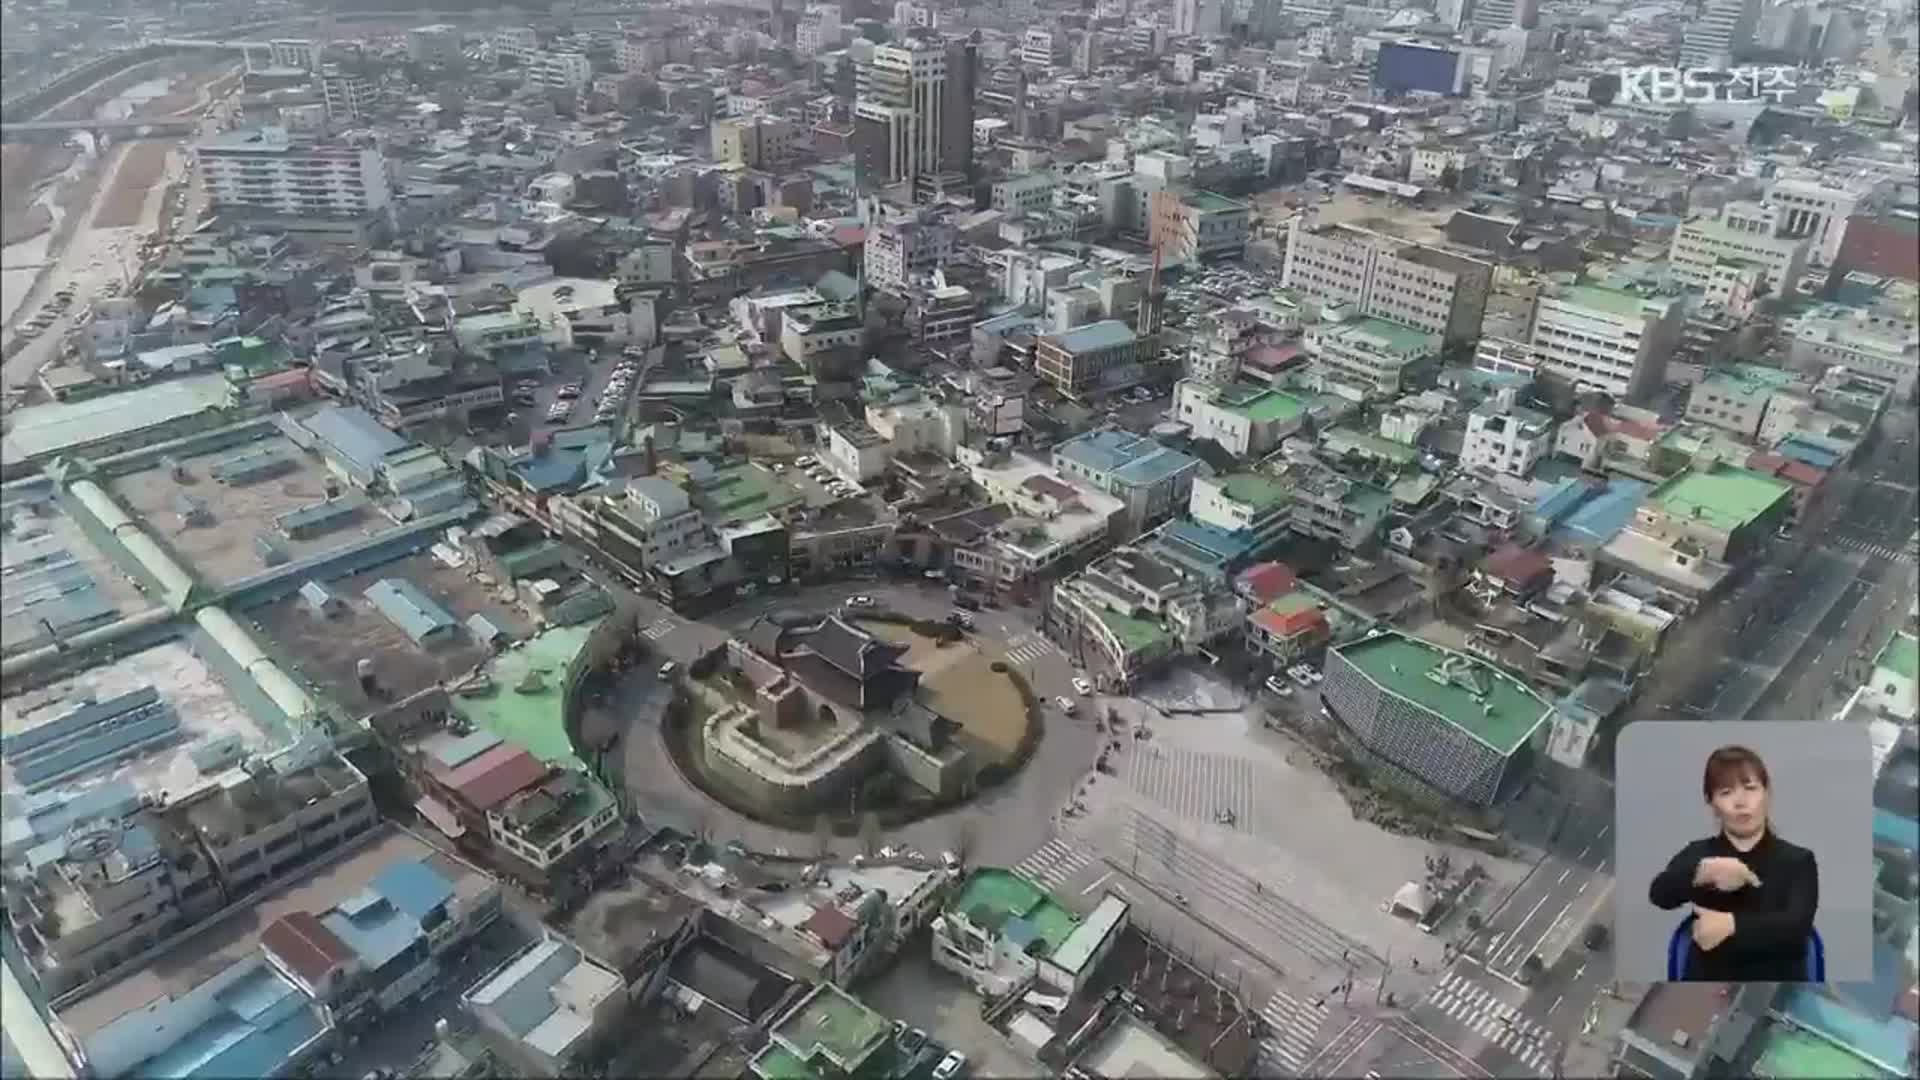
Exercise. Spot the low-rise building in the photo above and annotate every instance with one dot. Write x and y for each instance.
(1000, 931)
(1244, 419)
(1255, 506)
(1746, 233)
(1332, 506)
(1376, 355)
(1894, 685)
(1506, 438)
(1882, 346)
(1447, 720)
(1739, 398)
(1719, 512)
(544, 1007)
(1152, 480)
(1105, 355)
(1190, 226)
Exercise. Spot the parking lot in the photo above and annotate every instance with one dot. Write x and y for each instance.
(544, 403)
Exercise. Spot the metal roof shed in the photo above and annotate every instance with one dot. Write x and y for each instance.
(415, 613)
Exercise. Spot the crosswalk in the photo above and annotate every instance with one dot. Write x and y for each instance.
(660, 628)
(1027, 648)
(1293, 1028)
(1480, 1011)
(1056, 860)
(1198, 786)
(1880, 550)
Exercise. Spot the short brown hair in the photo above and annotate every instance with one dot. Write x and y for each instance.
(1730, 765)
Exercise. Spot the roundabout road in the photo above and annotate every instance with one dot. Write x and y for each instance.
(999, 828)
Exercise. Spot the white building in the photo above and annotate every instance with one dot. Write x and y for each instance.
(545, 1006)
(1197, 18)
(1373, 354)
(264, 169)
(903, 253)
(1037, 47)
(1505, 438)
(515, 43)
(657, 521)
(1612, 340)
(856, 451)
(818, 30)
(440, 43)
(1245, 420)
(902, 97)
(347, 96)
(1884, 347)
(1818, 211)
(1433, 291)
(1746, 233)
(565, 71)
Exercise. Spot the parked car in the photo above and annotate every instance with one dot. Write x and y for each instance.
(667, 669)
(1066, 705)
(859, 601)
(1082, 686)
(912, 1041)
(950, 1066)
(805, 461)
(1282, 689)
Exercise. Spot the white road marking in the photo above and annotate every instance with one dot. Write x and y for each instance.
(1099, 881)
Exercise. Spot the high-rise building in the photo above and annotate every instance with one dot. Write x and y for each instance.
(439, 43)
(913, 110)
(1720, 33)
(1502, 14)
(818, 30)
(1197, 18)
(565, 71)
(1605, 339)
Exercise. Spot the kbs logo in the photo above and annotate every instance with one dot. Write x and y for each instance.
(1691, 86)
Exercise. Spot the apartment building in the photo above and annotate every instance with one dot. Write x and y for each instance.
(1151, 479)
(1373, 354)
(568, 72)
(513, 43)
(1866, 343)
(1607, 339)
(1745, 233)
(903, 253)
(1433, 291)
(1038, 48)
(266, 170)
(1029, 193)
(754, 141)
(1743, 397)
(1818, 211)
(1332, 506)
(818, 30)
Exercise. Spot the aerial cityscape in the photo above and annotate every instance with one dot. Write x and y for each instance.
(785, 540)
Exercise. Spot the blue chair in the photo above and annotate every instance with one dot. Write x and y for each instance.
(1679, 947)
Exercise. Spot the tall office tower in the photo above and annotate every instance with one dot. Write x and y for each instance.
(1196, 18)
(956, 116)
(1720, 33)
(1451, 14)
(900, 109)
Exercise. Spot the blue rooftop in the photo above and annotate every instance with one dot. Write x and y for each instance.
(1605, 514)
(413, 887)
(374, 928)
(1106, 334)
(1152, 468)
(1808, 452)
(1132, 460)
(262, 1020)
(1559, 500)
(355, 436)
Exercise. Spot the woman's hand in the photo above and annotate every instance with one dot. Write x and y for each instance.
(1711, 927)
(1724, 874)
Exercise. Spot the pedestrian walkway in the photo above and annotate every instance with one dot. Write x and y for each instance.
(1877, 549)
(1056, 861)
(1293, 1029)
(1027, 648)
(1216, 788)
(1480, 1011)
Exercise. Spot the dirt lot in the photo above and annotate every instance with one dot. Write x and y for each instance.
(142, 164)
(958, 682)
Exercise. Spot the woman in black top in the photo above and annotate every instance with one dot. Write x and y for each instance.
(1753, 894)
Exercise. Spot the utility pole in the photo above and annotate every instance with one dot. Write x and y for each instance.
(1380, 991)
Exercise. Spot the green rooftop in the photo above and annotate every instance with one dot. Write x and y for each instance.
(1208, 202)
(1345, 438)
(1135, 634)
(830, 1023)
(1258, 490)
(1275, 405)
(991, 898)
(776, 1062)
(1723, 496)
(1901, 656)
(1400, 339)
(1601, 298)
(1788, 1053)
(1475, 697)
(530, 720)
(742, 492)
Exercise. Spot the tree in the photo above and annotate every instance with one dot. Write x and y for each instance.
(1450, 177)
